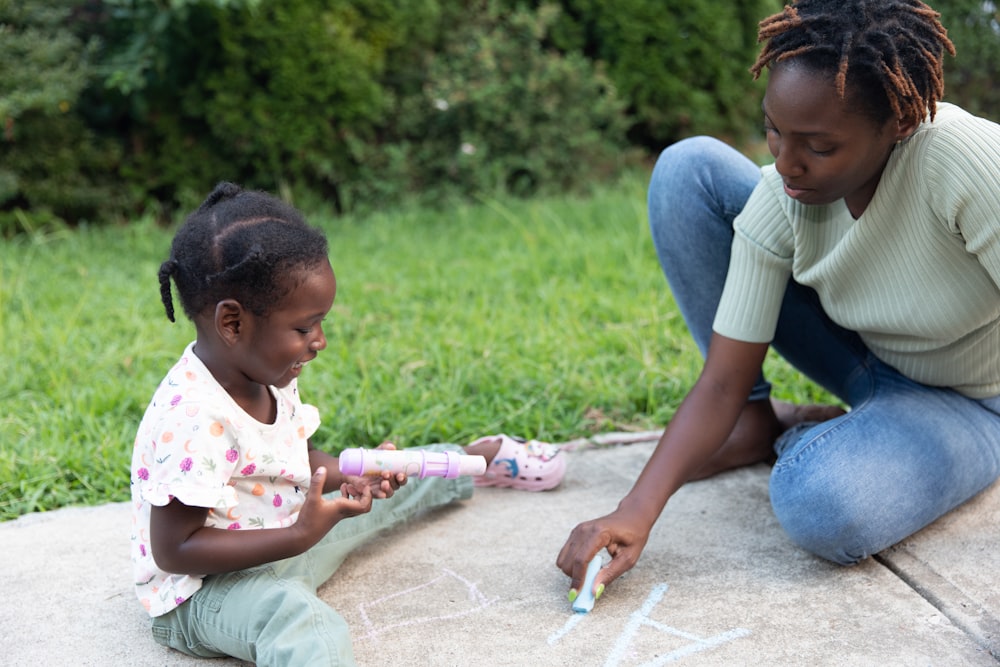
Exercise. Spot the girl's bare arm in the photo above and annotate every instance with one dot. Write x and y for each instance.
(183, 544)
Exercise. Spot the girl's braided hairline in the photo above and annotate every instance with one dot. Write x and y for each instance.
(906, 59)
(274, 238)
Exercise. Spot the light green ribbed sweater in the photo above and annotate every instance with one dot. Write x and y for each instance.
(917, 275)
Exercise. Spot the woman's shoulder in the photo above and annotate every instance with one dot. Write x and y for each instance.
(771, 186)
(954, 127)
(956, 147)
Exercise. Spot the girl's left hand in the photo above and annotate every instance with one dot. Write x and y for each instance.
(382, 486)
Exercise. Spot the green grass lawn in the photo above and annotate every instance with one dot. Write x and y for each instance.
(543, 318)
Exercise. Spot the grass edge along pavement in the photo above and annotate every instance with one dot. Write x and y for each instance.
(544, 318)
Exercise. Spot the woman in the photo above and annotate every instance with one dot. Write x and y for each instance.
(868, 255)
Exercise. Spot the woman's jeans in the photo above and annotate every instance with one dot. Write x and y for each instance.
(850, 487)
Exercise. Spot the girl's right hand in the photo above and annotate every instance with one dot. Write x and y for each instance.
(318, 514)
(183, 544)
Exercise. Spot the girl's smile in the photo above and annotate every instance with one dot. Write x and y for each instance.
(290, 337)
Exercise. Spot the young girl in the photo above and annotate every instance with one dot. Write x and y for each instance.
(868, 255)
(231, 535)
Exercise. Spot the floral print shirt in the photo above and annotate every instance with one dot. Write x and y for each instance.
(197, 445)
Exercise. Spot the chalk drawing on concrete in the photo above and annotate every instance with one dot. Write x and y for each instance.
(450, 592)
(639, 619)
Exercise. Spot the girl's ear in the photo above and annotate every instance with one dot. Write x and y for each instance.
(230, 321)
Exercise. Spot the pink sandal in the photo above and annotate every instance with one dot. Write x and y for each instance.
(527, 465)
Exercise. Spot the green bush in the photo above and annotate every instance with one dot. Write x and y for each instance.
(259, 93)
(53, 166)
(970, 77)
(111, 107)
(681, 64)
(353, 103)
(296, 84)
(496, 112)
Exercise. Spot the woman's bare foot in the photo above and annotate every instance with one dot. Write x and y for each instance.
(758, 426)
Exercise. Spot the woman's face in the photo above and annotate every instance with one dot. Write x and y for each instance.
(823, 148)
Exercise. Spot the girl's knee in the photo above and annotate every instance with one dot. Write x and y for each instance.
(297, 628)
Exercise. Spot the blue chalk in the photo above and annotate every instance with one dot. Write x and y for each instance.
(584, 602)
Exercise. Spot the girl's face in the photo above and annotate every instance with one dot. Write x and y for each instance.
(291, 336)
(823, 149)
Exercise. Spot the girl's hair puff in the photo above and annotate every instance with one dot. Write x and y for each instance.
(239, 244)
(889, 51)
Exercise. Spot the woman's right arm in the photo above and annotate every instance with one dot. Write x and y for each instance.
(703, 422)
(183, 544)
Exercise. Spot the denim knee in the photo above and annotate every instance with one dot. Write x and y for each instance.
(683, 172)
(830, 537)
(697, 188)
(904, 455)
(692, 150)
(825, 518)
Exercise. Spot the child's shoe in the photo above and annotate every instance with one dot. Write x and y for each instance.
(527, 465)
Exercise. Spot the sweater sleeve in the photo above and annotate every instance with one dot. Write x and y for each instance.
(964, 178)
(759, 266)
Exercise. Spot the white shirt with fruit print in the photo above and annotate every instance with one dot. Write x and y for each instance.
(197, 445)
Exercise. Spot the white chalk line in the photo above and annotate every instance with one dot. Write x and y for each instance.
(474, 595)
(561, 632)
(640, 618)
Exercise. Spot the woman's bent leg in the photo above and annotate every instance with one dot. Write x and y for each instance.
(904, 456)
(697, 189)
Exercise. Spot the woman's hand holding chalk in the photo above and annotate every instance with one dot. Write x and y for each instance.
(584, 601)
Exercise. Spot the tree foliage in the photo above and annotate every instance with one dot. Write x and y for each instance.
(681, 64)
(971, 77)
(48, 150)
(111, 107)
(493, 109)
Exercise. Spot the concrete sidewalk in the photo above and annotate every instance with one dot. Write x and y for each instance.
(476, 584)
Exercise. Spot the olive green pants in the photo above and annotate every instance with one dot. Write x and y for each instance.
(270, 615)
